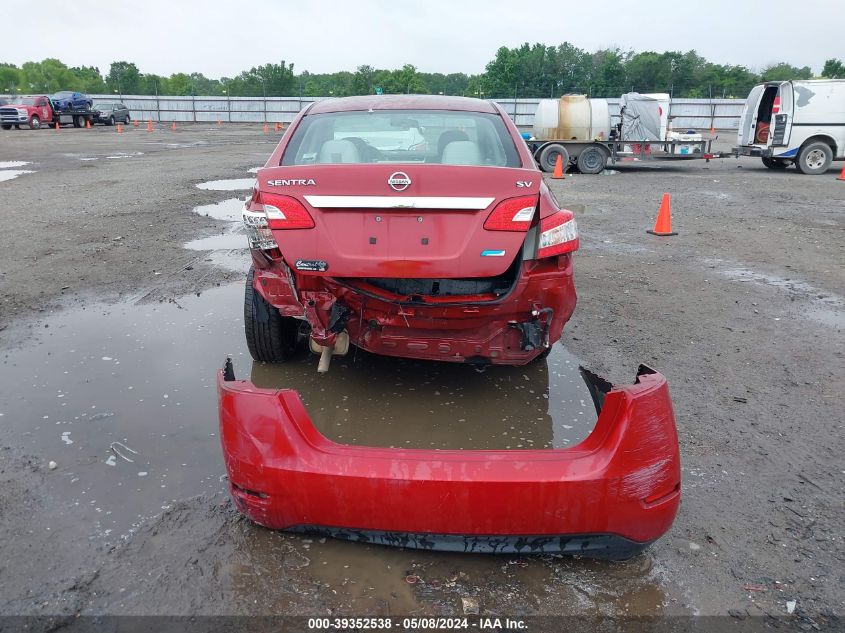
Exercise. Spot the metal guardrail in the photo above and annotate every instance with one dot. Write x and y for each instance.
(698, 114)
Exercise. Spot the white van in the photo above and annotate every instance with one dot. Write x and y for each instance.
(800, 122)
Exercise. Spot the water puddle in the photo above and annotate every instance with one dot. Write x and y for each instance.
(820, 305)
(8, 164)
(123, 399)
(227, 241)
(109, 393)
(119, 155)
(232, 184)
(365, 578)
(9, 174)
(380, 401)
(129, 381)
(226, 210)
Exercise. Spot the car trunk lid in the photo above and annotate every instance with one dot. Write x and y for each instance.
(400, 220)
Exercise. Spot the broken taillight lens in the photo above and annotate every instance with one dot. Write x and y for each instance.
(558, 234)
(513, 214)
(259, 234)
(266, 212)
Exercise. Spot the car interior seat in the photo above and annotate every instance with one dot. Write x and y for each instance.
(338, 151)
(461, 153)
(448, 137)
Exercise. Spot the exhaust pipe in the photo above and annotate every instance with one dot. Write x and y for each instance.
(340, 348)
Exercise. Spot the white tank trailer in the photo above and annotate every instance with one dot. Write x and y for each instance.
(581, 131)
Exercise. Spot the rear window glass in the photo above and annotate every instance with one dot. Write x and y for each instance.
(402, 136)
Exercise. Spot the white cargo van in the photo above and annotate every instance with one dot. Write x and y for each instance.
(800, 122)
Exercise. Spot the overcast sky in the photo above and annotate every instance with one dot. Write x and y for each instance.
(224, 38)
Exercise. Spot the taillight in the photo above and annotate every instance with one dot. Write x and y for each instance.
(284, 212)
(558, 234)
(267, 211)
(513, 214)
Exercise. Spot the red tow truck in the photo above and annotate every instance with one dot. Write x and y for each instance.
(37, 111)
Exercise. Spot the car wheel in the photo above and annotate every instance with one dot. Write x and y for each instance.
(548, 157)
(815, 158)
(775, 163)
(592, 160)
(110, 121)
(78, 121)
(126, 120)
(17, 127)
(6, 127)
(34, 123)
(270, 337)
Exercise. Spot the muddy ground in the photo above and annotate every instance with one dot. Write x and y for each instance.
(111, 332)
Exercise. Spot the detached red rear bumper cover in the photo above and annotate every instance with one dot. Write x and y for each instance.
(610, 496)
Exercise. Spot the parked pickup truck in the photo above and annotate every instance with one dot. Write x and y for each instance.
(38, 110)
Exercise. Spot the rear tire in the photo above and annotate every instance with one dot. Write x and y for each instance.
(34, 123)
(126, 121)
(592, 160)
(6, 126)
(815, 158)
(270, 337)
(775, 163)
(110, 121)
(548, 157)
(78, 121)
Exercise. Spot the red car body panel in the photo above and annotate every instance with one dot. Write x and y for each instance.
(399, 242)
(611, 495)
(432, 229)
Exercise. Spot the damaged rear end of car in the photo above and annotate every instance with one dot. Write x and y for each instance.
(421, 232)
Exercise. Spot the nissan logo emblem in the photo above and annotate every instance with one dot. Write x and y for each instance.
(399, 181)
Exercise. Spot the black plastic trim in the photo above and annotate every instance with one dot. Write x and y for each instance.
(603, 546)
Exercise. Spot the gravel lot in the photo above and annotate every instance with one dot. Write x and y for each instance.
(101, 302)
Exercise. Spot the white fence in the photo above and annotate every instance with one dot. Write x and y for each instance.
(722, 114)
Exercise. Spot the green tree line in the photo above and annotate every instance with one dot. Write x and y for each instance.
(529, 70)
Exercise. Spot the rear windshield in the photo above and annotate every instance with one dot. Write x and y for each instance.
(402, 136)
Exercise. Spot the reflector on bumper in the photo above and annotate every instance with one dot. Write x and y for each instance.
(611, 495)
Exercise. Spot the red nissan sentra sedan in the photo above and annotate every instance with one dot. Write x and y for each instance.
(414, 226)
(419, 227)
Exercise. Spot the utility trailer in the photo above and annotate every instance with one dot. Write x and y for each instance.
(579, 130)
(591, 157)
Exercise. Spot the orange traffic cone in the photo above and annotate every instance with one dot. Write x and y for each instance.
(57, 126)
(266, 129)
(134, 122)
(87, 124)
(712, 130)
(219, 122)
(663, 224)
(120, 128)
(842, 175)
(278, 126)
(173, 126)
(558, 173)
(149, 125)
